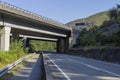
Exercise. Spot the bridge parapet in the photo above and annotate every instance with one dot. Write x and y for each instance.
(18, 21)
(25, 13)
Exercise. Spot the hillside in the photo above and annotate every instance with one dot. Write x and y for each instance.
(96, 19)
(106, 32)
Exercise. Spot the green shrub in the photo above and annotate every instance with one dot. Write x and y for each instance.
(116, 38)
(16, 52)
(118, 19)
(36, 45)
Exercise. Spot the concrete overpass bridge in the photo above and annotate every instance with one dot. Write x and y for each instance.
(17, 21)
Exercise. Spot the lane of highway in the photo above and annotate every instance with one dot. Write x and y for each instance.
(66, 67)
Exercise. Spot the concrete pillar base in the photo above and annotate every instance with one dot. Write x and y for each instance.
(5, 38)
(63, 45)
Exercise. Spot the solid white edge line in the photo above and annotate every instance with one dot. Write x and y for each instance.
(59, 68)
(93, 67)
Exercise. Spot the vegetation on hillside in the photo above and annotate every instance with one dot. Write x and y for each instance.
(94, 38)
(114, 14)
(102, 19)
(97, 19)
(114, 17)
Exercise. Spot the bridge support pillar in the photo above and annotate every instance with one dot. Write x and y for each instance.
(26, 44)
(5, 38)
(63, 45)
(24, 41)
(58, 46)
(15, 36)
(67, 42)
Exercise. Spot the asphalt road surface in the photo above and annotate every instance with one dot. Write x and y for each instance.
(66, 67)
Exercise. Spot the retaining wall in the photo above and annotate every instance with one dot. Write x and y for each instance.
(107, 54)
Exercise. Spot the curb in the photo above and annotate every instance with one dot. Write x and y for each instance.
(47, 72)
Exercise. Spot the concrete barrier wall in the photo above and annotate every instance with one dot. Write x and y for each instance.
(105, 54)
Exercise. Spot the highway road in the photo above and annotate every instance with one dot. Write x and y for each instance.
(67, 67)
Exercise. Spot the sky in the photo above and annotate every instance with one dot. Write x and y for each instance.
(65, 10)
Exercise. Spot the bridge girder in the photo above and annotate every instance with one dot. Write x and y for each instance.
(18, 21)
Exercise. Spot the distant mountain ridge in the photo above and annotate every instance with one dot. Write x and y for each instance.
(96, 19)
(100, 29)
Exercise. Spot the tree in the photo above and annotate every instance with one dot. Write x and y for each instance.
(81, 34)
(116, 37)
(118, 6)
(118, 12)
(36, 45)
(113, 14)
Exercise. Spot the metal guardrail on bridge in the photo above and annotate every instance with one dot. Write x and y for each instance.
(30, 13)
